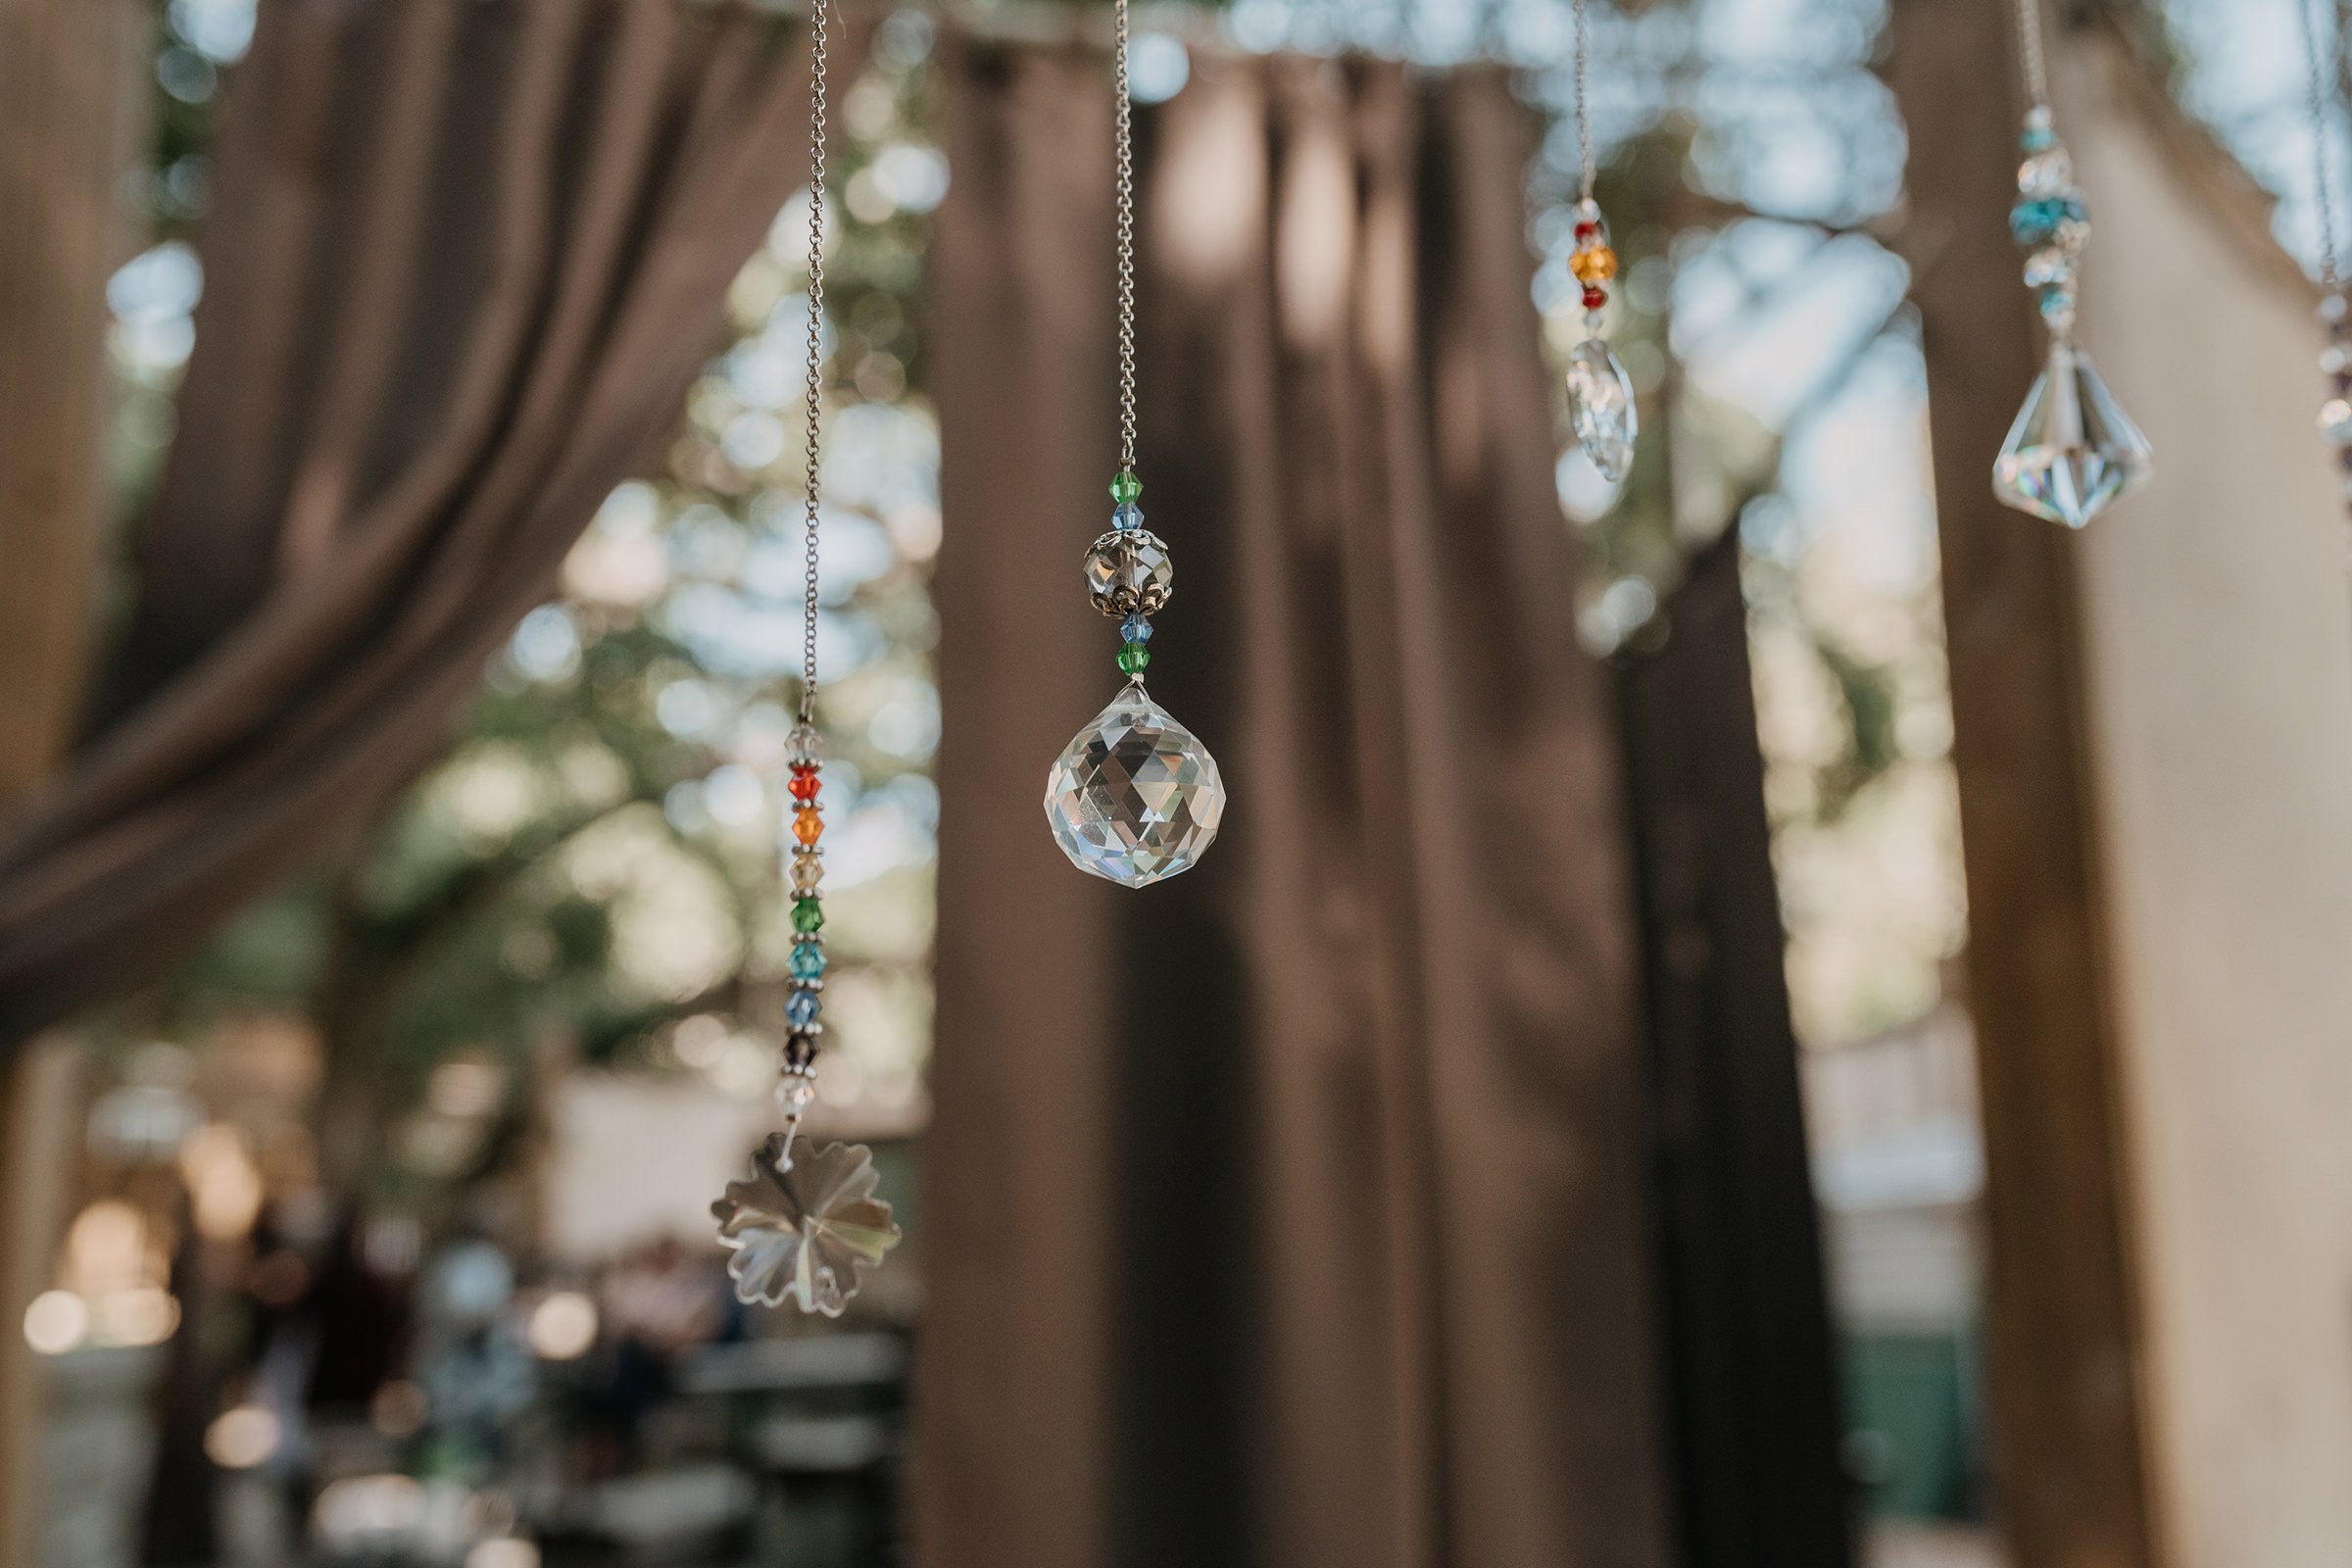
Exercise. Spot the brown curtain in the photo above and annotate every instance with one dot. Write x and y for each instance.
(1296, 1211)
(463, 262)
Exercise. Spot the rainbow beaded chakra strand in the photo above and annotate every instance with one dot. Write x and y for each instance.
(807, 966)
(806, 1224)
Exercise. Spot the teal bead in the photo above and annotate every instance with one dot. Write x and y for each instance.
(807, 961)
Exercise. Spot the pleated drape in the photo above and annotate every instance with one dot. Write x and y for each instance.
(1293, 1212)
(462, 264)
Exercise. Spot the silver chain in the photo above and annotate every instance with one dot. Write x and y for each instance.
(2029, 53)
(1584, 88)
(819, 15)
(1124, 135)
(2320, 74)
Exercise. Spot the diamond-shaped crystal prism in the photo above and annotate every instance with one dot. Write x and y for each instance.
(2073, 448)
(1135, 797)
(1600, 406)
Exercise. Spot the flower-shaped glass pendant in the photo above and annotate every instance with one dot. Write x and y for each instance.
(804, 1225)
(1600, 406)
(1135, 797)
(2073, 448)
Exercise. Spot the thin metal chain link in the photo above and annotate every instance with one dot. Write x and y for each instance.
(2029, 52)
(2319, 76)
(1124, 136)
(819, 17)
(1584, 86)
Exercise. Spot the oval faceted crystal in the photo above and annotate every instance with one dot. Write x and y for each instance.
(1600, 405)
(1135, 797)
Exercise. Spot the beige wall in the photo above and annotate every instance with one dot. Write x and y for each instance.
(2219, 648)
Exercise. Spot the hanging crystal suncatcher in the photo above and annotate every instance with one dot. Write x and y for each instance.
(1135, 797)
(806, 1225)
(2335, 360)
(2072, 450)
(1601, 396)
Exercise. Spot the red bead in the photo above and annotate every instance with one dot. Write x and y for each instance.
(1595, 298)
(1586, 230)
(803, 785)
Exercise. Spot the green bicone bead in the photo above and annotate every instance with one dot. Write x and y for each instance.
(1133, 657)
(1126, 489)
(808, 916)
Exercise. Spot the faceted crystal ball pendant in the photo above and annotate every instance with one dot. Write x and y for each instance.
(803, 1229)
(2072, 450)
(1600, 398)
(1135, 797)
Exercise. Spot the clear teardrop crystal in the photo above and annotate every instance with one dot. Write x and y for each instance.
(1600, 405)
(2073, 448)
(1135, 797)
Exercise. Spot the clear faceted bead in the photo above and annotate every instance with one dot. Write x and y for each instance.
(2048, 172)
(1600, 405)
(2073, 448)
(1128, 572)
(1135, 797)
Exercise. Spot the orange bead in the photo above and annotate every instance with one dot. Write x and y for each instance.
(1594, 266)
(807, 825)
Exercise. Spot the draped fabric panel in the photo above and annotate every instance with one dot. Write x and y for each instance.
(462, 264)
(1294, 1211)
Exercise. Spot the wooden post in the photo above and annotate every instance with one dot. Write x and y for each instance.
(1752, 1378)
(64, 123)
(71, 76)
(2066, 1398)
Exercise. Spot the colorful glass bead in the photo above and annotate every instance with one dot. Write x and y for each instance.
(1135, 629)
(807, 960)
(795, 1091)
(1594, 264)
(1133, 657)
(803, 784)
(802, 747)
(799, 1050)
(2038, 221)
(1128, 572)
(808, 871)
(807, 825)
(808, 916)
(1596, 297)
(1127, 517)
(1126, 489)
(801, 1009)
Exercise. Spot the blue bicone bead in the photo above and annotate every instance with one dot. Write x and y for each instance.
(2038, 138)
(1127, 517)
(800, 1011)
(807, 961)
(1136, 629)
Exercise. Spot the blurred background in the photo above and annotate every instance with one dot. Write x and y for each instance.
(366, 1218)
